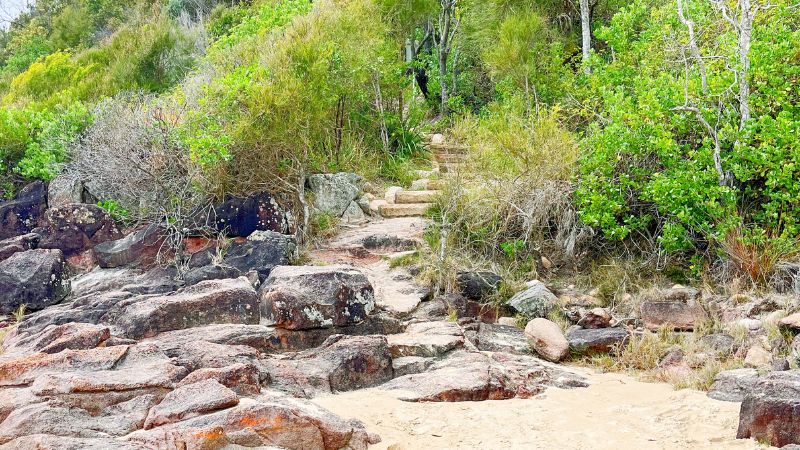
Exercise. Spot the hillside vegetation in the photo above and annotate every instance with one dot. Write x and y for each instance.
(661, 134)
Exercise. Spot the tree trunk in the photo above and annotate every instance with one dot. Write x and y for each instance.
(745, 33)
(586, 35)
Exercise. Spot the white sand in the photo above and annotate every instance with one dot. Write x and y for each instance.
(615, 412)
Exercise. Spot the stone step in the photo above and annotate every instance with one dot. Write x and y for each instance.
(405, 209)
(408, 197)
(425, 184)
(450, 157)
(448, 148)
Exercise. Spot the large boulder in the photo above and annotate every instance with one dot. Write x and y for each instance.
(334, 192)
(535, 301)
(64, 189)
(769, 411)
(77, 227)
(22, 214)
(139, 248)
(241, 216)
(262, 251)
(18, 244)
(209, 302)
(306, 297)
(597, 340)
(733, 385)
(34, 278)
(547, 339)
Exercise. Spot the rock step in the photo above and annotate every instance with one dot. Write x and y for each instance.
(449, 148)
(405, 209)
(427, 185)
(410, 197)
(449, 157)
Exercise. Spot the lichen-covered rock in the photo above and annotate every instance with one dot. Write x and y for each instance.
(547, 339)
(535, 301)
(77, 227)
(307, 297)
(209, 302)
(34, 278)
(334, 192)
(22, 214)
(139, 248)
(262, 251)
(64, 189)
(769, 410)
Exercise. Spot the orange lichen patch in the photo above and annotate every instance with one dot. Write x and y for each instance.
(261, 422)
(210, 434)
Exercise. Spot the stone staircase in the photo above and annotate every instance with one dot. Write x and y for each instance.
(417, 200)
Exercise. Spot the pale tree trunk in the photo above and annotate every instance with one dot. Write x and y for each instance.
(693, 45)
(743, 24)
(448, 26)
(586, 35)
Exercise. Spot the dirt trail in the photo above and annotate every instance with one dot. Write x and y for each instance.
(615, 412)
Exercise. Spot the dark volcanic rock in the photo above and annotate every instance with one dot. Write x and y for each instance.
(139, 248)
(306, 297)
(388, 242)
(477, 285)
(769, 412)
(262, 251)
(21, 215)
(18, 244)
(598, 340)
(76, 228)
(238, 216)
(217, 301)
(210, 272)
(35, 278)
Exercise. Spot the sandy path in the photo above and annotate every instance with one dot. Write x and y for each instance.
(615, 412)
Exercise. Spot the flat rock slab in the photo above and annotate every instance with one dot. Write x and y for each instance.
(426, 339)
(473, 376)
(191, 400)
(499, 338)
(209, 302)
(677, 314)
(25, 369)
